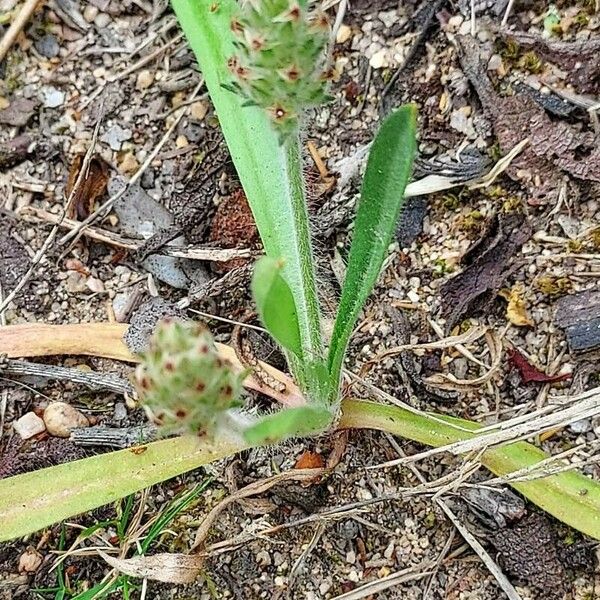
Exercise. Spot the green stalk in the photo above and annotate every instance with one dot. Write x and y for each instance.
(35, 500)
(270, 172)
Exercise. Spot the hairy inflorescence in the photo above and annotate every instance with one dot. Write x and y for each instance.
(183, 383)
(279, 64)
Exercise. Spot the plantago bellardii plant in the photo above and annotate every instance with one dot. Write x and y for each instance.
(262, 61)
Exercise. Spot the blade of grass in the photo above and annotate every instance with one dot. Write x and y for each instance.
(388, 170)
(569, 496)
(270, 172)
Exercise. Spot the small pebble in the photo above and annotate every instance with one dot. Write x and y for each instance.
(144, 80)
(30, 561)
(343, 34)
(47, 46)
(61, 417)
(52, 97)
(378, 60)
(129, 164)
(181, 141)
(28, 426)
(95, 285)
(198, 110)
(90, 12)
(102, 20)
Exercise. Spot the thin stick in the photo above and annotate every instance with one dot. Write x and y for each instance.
(16, 26)
(114, 239)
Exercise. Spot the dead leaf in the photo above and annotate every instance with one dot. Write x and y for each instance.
(165, 567)
(555, 146)
(83, 199)
(488, 265)
(309, 460)
(516, 311)
(531, 373)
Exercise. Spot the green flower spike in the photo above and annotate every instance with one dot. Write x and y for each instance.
(183, 383)
(279, 65)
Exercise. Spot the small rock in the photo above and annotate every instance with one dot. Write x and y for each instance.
(263, 558)
(144, 80)
(53, 97)
(18, 112)
(181, 141)
(95, 285)
(90, 12)
(115, 136)
(28, 426)
(495, 63)
(30, 560)
(47, 46)
(102, 20)
(129, 163)
(582, 426)
(198, 110)
(75, 282)
(61, 417)
(120, 413)
(378, 60)
(343, 34)
(4, 103)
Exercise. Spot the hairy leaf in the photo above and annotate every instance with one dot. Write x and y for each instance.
(388, 170)
(275, 303)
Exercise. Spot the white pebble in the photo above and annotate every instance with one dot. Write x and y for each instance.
(28, 426)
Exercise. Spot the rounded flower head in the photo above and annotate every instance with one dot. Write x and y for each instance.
(183, 383)
(278, 64)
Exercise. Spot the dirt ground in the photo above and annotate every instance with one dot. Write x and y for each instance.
(516, 252)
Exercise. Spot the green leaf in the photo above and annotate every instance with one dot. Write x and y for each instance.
(270, 172)
(34, 500)
(388, 171)
(292, 422)
(275, 303)
(569, 496)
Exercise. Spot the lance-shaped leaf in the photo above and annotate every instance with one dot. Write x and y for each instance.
(292, 422)
(388, 170)
(275, 304)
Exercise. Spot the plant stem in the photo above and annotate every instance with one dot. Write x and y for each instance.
(270, 172)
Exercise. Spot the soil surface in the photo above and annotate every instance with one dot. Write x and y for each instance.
(518, 254)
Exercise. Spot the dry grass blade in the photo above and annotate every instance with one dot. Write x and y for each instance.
(106, 340)
(584, 406)
(449, 382)
(385, 583)
(468, 337)
(168, 568)
(114, 239)
(258, 487)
